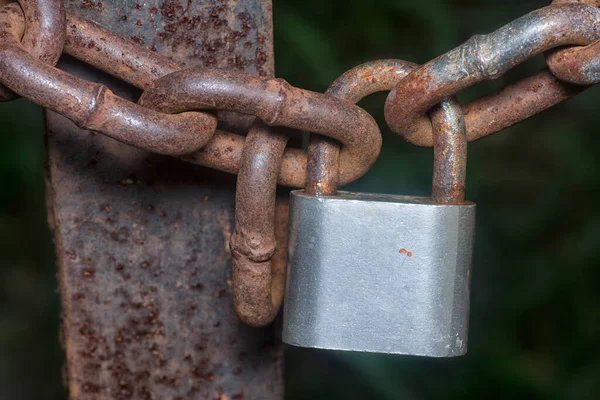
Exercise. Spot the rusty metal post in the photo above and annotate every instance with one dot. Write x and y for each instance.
(143, 240)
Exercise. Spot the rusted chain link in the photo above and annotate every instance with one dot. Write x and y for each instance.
(450, 148)
(276, 103)
(354, 85)
(258, 280)
(91, 105)
(258, 283)
(44, 35)
(129, 61)
(119, 57)
(485, 57)
(141, 67)
(578, 65)
(450, 151)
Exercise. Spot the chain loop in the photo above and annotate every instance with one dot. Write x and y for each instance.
(139, 66)
(361, 81)
(91, 105)
(483, 117)
(450, 153)
(276, 103)
(44, 33)
(578, 65)
(484, 57)
(258, 280)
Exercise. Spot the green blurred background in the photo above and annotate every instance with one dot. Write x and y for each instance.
(535, 309)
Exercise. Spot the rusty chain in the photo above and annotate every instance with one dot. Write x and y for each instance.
(486, 57)
(178, 112)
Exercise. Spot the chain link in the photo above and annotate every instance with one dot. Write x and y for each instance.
(167, 120)
(44, 36)
(481, 58)
(486, 57)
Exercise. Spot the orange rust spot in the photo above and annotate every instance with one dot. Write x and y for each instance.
(88, 273)
(403, 251)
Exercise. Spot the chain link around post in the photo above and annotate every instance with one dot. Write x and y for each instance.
(33, 35)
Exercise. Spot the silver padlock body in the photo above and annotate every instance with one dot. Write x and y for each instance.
(379, 273)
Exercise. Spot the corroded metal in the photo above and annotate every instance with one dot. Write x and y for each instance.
(485, 57)
(578, 65)
(354, 85)
(449, 153)
(257, 287)
(114, 54)
(450, 150)
(45, 22)
(233, 33)
(514, 103)
(276, 103)
(258, 281)
(44, 36)
(139, 66)
(92, 105)
(142, 239)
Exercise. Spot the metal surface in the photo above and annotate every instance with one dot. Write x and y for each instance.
(484, 57)
(139, 66)
(514, 103)
(142, 239)
(236, 36)
(379, 273)
(347, 288)
(257, 283)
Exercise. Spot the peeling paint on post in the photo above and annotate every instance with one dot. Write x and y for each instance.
(143, 240)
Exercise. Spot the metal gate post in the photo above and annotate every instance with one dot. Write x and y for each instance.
(143, 240)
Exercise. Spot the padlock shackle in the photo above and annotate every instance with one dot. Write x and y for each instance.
(450, 147)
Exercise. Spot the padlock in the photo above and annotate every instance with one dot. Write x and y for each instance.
(385, 273)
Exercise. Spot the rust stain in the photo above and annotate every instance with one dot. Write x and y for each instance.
(403, 251)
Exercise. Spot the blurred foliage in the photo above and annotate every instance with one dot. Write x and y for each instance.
(535, 311)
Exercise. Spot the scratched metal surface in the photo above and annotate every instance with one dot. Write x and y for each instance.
(143, 240)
